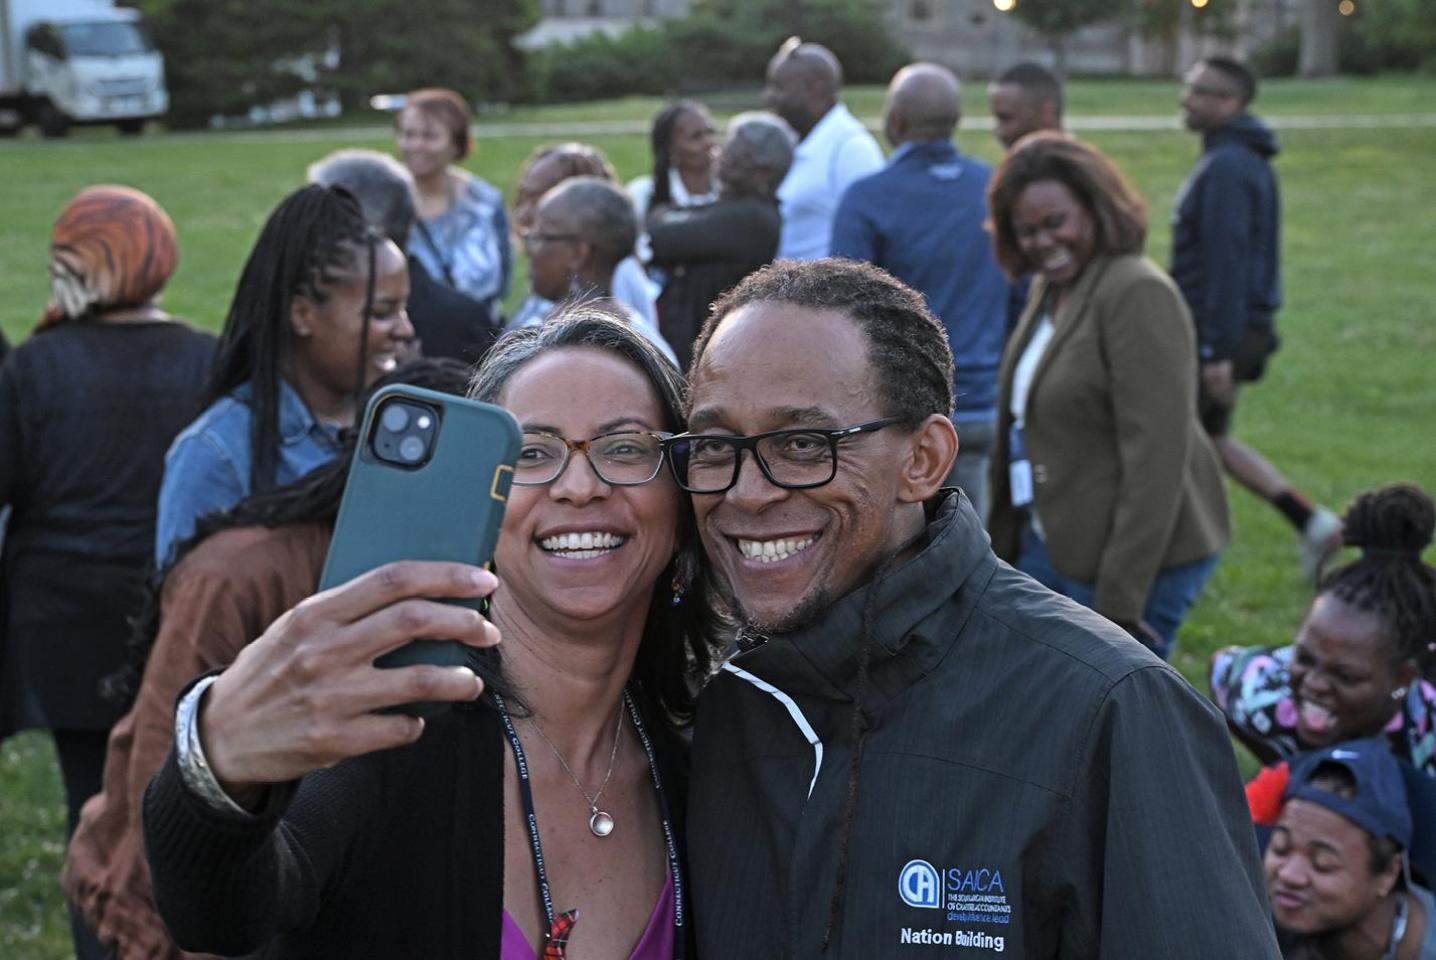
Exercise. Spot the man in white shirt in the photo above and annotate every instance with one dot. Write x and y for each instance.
(834, 148)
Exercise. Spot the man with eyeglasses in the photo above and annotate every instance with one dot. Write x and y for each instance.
(916, 748)
(1226, 258)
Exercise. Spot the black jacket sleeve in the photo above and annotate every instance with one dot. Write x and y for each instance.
(1225, 210)
(1160, 823)
(227, 885)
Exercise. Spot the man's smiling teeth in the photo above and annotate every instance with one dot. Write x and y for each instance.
(771, 551)
(582, 546)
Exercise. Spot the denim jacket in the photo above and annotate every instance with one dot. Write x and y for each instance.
(207, 467)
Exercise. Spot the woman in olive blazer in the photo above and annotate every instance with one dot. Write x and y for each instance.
(1126, 512)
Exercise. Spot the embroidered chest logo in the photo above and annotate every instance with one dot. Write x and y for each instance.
(967, 895)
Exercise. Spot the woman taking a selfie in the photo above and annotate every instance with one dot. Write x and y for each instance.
(541, 811)
(319, 314)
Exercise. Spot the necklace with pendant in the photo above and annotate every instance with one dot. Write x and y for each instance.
(600, 822)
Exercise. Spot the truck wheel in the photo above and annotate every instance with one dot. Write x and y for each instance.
(52, 122)
(132, 127)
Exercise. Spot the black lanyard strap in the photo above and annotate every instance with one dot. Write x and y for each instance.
(536, 847)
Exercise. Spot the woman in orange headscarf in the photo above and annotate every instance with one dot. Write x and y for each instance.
(88, 406)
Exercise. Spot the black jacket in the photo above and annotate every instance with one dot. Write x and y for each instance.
(706, 250)
(393, 854)
(447, 322)
(1226, 236)
(1033, 782)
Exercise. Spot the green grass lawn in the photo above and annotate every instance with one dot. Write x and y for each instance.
(1349, 402)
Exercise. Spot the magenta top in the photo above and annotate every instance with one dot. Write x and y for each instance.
(655, 944)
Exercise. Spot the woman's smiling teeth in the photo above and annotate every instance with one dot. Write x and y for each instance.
(771, 551)
(582, 546)
(1059, 260)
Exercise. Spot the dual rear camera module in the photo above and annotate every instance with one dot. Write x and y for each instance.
(405, 432)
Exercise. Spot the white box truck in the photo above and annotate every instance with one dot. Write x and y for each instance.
(65, 62)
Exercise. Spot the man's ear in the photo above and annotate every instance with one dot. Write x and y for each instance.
(301, 316)
(583, 264)
(932, 451)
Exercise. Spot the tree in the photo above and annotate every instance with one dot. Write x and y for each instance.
(1055, 19)
(1319, 47)
(224, 56)
(1163, 21)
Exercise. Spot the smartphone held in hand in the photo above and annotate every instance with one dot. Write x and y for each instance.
(429, 481)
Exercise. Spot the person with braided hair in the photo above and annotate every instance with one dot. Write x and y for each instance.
(319, 313)
(239, 571)
(87, 407)
(685, 144)
(1360, 663)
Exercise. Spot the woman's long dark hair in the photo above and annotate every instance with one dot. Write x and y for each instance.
(681, 642)
(314, 232)
(313, 498)
(661, 139)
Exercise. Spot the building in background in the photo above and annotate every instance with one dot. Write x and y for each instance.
(974, 38)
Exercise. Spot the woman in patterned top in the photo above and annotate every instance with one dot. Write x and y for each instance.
(462, 234)
(1359, 664)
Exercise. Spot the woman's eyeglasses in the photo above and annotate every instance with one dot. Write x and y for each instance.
(627, 458)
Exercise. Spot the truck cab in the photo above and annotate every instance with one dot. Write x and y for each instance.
(78, 62)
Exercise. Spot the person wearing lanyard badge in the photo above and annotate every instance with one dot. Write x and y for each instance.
(1104, 487)
(541, 815)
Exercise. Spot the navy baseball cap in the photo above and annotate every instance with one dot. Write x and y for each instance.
(1380, 806)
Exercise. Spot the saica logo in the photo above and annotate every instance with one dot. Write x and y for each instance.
(920, 885)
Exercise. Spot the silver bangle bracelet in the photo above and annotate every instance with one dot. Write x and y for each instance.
(194, 768)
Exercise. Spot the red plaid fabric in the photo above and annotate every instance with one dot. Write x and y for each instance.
(556, 947)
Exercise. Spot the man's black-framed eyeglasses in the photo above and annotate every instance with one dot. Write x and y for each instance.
(627, 458)
(797, 459)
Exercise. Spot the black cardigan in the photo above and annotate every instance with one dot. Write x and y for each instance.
(399, 853)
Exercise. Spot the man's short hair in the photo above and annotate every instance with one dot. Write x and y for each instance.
(1238, 73)
(907, 346)
(383, 186)
(765, 143)
(602, 215)
(1035, 80)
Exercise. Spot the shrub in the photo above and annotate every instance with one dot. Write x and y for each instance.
(721, 41)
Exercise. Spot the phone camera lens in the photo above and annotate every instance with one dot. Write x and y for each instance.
(411, 449)
(394, 418)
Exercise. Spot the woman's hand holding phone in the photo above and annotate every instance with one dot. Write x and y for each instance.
(302, 696)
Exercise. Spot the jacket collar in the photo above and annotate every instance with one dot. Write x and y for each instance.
(924, 152)
(295, 420)
(921, 606)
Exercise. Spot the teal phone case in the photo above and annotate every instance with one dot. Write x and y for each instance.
(448, 508)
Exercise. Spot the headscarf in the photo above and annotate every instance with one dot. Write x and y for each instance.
(112, 247)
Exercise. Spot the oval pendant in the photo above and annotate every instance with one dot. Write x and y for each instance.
(600, 823)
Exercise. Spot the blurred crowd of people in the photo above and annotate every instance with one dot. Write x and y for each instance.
(172, 493)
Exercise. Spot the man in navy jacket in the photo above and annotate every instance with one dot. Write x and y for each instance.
(920, 218)
(1226, 246)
